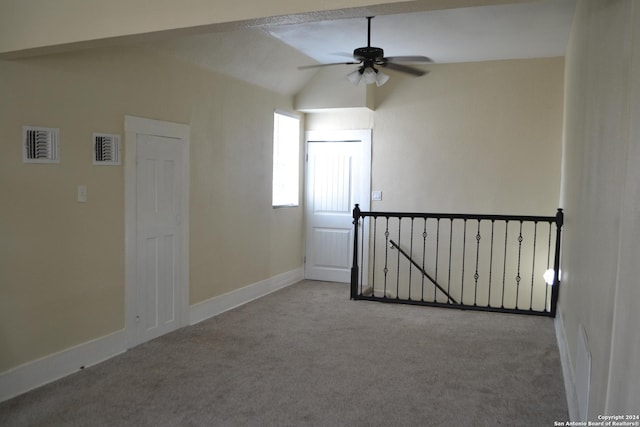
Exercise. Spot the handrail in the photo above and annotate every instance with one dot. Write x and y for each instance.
(421, 270)
(457, 216)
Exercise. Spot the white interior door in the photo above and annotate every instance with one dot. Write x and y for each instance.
(157, 211)
(338, 177)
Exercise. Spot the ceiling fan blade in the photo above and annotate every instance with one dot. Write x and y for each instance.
(343, 54)
(306, 67)
(404, 69)
(414, 58)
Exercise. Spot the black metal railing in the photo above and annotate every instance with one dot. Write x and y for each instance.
(505, 263)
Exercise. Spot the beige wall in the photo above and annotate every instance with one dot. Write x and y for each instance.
(62, 262)
(473, 137)
(340, 119)
(601, 197)
(330, 89)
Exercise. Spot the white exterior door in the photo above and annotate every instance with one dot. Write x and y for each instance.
(157, 211)
(338, 177)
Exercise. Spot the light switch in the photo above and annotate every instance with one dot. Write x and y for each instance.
(376, 195)
(82, 193)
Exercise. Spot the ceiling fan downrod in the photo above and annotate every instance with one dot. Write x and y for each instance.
(369, 55)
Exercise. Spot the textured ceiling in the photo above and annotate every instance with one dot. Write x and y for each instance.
(250, 55)
(268, 56)
(525, 30)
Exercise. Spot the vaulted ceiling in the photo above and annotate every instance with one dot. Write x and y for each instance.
(268, 55)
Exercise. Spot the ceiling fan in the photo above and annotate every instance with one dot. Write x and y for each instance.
(369, 57)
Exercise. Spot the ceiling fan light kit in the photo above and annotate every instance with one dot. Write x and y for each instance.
(370, 75)
(368, 57)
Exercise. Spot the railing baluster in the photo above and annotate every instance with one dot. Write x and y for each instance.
(464, 250)
(361, 253)
(518, 278)
(476, 275)
(504, 268)
(450, 249)
(398, 262)
(375, 241)
(533, 266)
(424, 254)
(490, 264)
(437, 254)
(386, 258)
(411, 256)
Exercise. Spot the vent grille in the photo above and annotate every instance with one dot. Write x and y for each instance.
(106, 149)
(40, 144)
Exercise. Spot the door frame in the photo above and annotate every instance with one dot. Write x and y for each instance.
(363, 136)
(134, 126)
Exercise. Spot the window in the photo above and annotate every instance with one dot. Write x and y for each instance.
(286, 159)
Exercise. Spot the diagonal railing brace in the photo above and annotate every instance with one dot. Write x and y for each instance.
(424, 273)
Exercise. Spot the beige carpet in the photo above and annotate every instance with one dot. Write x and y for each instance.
(307, 355)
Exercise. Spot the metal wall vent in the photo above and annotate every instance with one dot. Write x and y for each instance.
(40, 144)
(106, 149)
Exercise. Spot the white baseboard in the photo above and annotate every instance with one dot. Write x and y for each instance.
(217, 305)
(39, 372)
(42, 371)
(567, 368)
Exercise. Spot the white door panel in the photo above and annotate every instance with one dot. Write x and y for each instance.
(338, 177)
(158, 206)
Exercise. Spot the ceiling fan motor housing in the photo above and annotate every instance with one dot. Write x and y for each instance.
(368, 53)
